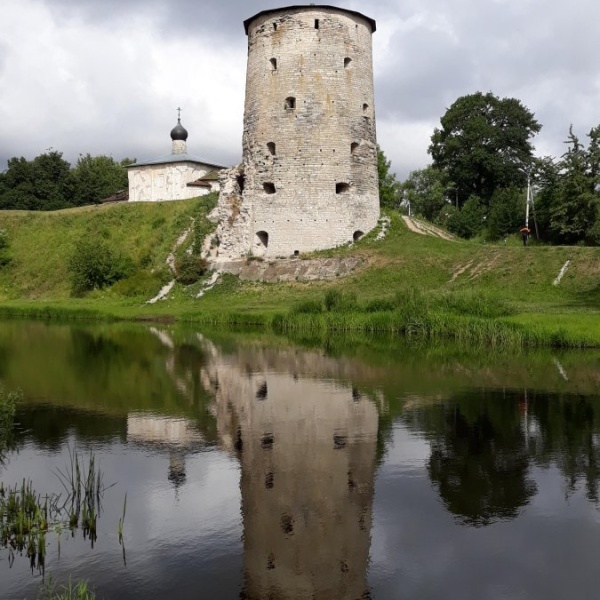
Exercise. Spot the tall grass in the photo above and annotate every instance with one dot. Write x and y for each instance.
(84, 486)
(69, 591)
(26, 516)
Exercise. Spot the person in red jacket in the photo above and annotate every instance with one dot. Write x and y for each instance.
(525, 231)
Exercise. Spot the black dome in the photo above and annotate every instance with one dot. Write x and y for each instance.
(179, 132)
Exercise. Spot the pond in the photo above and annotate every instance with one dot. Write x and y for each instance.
(255, 466)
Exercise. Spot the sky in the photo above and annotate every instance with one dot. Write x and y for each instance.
(84, 76)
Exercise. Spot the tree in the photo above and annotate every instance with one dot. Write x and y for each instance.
(484, 144)
(96, 178)
(389, 188)
(45, 183)
(507, 211)
(574, 210)
(468, 221)
(48, 183)
(426, 192)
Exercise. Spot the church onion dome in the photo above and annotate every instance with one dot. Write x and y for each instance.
(179, 132)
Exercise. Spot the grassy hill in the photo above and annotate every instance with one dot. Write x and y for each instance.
(451, 277)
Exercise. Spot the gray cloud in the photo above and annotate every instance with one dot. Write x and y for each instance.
(83, 76)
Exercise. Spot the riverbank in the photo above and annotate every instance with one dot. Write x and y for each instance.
(406, 283)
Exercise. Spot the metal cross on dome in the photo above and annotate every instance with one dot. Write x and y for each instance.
(178, 113)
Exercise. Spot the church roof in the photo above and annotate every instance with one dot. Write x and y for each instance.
(205, 180)
(183, 157)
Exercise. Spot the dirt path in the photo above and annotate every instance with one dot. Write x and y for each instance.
(423, 228)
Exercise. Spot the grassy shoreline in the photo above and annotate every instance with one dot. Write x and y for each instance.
(412, 285)
(527, 331)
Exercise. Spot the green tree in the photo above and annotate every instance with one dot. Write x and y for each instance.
(97, 177)
(506, 214)
(469, 221)
(574, 211)
(426, 191)
(44, 183)
(484, 144)
(389, 188)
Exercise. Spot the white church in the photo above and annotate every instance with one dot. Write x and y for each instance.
(174, 176)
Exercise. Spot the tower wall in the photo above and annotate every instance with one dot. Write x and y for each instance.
(309, 143)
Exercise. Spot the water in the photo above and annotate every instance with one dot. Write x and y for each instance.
(258, 467)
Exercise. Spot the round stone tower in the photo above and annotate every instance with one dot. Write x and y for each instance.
(309, 175)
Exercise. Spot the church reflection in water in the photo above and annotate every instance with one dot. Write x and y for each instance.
(307, 446)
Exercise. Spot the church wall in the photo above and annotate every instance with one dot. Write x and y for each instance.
(151, 183)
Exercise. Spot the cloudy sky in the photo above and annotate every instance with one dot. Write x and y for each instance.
(106, 77)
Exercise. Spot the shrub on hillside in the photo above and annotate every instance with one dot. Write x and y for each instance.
(189, 268)
(336, 301)
(4, 248)
(94, 265)
(143, 283)
(308, 307)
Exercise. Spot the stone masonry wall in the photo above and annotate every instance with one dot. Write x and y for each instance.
(309, 146)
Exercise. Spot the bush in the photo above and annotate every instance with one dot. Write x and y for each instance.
(94, 265)
(189, 269)
(335, 301)
(380, 305)
(4, 248)
(143, 283)
(308, 307)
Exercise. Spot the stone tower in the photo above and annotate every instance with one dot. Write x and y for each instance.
(308, 180)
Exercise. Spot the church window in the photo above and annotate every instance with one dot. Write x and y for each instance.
(271, 148)
(347, 62)
(290, 103)
(274, 64)
(269, 187)
(341, 187)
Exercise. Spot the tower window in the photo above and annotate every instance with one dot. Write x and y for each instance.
(267, 441)
(365, 107)
(273, 62)
(355, 237)
(263, 237)
(353, 147)
(269, 187)
(347, 62)
(287, 524)
(241, 181)
(274, 26)
(290, 103)
(261, 393)
(340, 188)
(339, 441)
(271, 148)
(316, 23)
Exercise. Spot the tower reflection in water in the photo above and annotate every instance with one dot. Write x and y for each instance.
(307, 449)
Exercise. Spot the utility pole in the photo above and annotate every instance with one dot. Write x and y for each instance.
(528, 199)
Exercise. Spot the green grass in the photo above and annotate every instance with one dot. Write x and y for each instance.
(411, 284)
